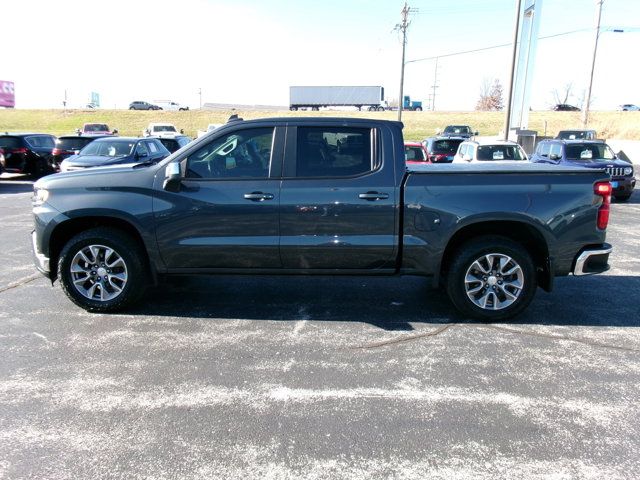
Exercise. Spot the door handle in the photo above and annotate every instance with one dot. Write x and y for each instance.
(373, 196)
(258, 196)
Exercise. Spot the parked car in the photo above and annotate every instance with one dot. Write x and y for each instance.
(174, 143)
(69, 145)
(210, 128)
(463, 131)
(95, 129)
(161, 130)
(281, 196)
(589, 154)
(442, 149)
(140, 105)
(115, 151)
(1, 160)
(172, 106)
(414, 152)
(577, 134)
(628, 107)
(563, 107)
(28, 153)
(489, 151)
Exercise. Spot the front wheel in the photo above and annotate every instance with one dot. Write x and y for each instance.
(418, 109)
(491, 278)
(102, 270)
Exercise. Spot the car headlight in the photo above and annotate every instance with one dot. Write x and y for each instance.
(628, 171)
(40, 195)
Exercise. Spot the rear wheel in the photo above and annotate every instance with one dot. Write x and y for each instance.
(102, 270)
(491, 279)
(418, 109)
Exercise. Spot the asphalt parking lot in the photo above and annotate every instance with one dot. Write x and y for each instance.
(357, 378)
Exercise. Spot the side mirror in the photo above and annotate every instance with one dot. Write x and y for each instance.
(466, 157)
(78, 131)
(147, 132)
(475, 133)
(115, 131)
(182, 131)
(172, 177)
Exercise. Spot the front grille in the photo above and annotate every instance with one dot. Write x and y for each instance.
(615, 171)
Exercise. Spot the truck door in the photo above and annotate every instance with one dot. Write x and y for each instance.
(338, 200)
(225, 214)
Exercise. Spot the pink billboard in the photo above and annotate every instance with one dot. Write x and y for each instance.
(7, 94)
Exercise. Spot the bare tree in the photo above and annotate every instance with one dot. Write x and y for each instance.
(490, 96)
(562, 95)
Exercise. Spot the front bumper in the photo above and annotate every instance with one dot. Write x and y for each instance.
(623, 185)
(592, 260)
(41, 261)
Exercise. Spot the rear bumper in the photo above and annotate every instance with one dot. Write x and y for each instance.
(623, 185)
(592, 260)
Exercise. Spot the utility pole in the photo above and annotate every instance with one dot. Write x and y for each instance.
(434, 86)
(507, 117)
(402, 27)
(200, 93)
(585, 107)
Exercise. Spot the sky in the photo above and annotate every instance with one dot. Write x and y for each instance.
(251, 51)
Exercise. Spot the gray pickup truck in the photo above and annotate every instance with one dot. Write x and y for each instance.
(324, 196)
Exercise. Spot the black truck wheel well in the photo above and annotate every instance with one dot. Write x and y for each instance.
(524, 234)
(66, 230)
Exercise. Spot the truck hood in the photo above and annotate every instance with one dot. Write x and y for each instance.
(112, 175)
(598, 163)
(97, 160)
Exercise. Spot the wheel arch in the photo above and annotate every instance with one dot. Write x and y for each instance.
(64, 231)
(522, 232)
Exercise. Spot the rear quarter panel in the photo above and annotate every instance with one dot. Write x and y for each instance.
(560, 206)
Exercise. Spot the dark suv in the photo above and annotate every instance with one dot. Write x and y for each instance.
(28, 153)
(442, 149)
(140, 105)
(70, 145)
(588, 154)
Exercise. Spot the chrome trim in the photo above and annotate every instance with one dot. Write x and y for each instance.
(584, 256)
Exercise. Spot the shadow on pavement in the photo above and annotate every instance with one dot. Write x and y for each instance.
(388, 303)
(15, 185)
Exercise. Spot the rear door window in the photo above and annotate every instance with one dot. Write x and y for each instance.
(333, 152)
(10, 142)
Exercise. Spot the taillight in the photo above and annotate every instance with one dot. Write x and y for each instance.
(56, 151)
(19, 150)
(603, 189)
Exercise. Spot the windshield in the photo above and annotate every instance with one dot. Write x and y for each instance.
(575, 135)
(72, 143)
(414, 153)
(500, 152)
(457, 129)
(96, 127)
(446, 146)
(587, 152)
(109, 148)
(164, 128)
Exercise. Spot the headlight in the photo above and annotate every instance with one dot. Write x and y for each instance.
(40, 196)
(628, 171)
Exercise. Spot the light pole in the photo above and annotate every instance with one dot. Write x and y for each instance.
(507, 117)
(585, 108)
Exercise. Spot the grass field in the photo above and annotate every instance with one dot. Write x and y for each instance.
(418, 125)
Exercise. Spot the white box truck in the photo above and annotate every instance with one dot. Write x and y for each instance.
(371, 97)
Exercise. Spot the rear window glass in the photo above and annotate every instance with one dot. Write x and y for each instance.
(457, 129)
(446, 146)
(333, 152)
(76, 143)
(41, 141)
(499, 152)
(10, 142)
(414, 153)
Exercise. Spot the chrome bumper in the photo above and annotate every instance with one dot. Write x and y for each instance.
(593, 260)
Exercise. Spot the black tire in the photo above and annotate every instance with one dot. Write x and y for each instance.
(622, 198)
(418, 109)
(40, 168)
(495, 248)
(131, 254)
(131, 108)
(293, 108)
